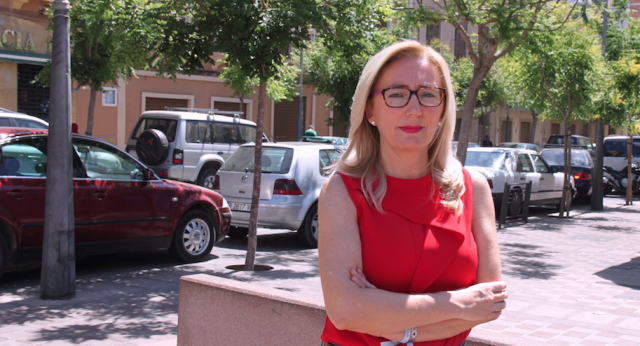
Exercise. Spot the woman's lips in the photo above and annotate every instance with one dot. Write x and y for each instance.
(411, 129)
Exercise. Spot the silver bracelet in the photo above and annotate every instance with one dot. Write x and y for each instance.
(414, 335)
(407, 336)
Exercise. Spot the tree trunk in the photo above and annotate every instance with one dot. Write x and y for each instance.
(567, 168)
(90, 113)
(242, 105)
(629, 199)
(252, 243)
(469, 107)
(534, 124)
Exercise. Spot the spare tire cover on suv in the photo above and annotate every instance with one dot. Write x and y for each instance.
(152, 147)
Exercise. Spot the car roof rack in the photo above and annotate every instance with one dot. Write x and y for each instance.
(204, 110)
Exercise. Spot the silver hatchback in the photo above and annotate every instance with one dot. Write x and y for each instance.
(292, 176)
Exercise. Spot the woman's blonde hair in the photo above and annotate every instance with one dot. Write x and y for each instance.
(362, 157)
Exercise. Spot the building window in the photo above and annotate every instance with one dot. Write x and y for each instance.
(460, 47)
(433, 32)
(109, 97)
(32, 98)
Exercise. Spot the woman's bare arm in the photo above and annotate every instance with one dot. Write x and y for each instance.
(375, 311)
(484, 230)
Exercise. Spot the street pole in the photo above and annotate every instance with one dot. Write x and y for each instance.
(300, 110)
(58, 275)
(596, 183)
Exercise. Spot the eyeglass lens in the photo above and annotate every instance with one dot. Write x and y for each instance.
(399, 97)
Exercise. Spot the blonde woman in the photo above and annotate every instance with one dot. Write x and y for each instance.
(407, 242)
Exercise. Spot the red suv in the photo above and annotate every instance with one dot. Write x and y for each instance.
(119, 204)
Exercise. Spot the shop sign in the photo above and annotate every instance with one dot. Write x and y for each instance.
(23, 36)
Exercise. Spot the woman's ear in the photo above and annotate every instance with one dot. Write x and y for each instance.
(368, 112)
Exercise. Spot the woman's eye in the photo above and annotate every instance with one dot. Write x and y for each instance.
(427, 95)
(395, 95)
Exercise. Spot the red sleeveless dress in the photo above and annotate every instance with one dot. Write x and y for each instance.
(415, 246)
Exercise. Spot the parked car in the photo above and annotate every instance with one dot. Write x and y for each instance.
(326, 139)
(189, 146)
(517, 145)
(581, 167)
(292, 175)
(454, 146)
(557, 141)
(14, 119)
(615, 151)
(508, 165)
(119, 204)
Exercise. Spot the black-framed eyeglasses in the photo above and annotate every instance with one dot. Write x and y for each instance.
(399, 97)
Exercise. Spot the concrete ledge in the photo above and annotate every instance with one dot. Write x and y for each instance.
(219, 311)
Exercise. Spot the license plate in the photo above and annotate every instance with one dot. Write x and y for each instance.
(240, 206)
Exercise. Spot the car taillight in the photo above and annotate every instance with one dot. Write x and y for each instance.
(177, 156)
(490, 183)
(582, 176)
(162, 173)
(216, 183)
(286, 187)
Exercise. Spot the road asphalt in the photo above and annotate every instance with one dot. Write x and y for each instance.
(572, 281)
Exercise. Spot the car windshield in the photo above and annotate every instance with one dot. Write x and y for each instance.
(488, 159)
(556, 157)
(274, 160)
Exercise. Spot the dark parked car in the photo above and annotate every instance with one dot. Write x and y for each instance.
(557, 141)
(119, 204)
(581, 167)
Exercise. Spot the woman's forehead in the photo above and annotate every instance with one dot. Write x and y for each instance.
(409, 72)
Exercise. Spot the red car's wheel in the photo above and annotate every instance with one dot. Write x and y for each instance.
(194, 237)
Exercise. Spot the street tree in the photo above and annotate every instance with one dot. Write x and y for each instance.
(254, 35)
(110, 40)
(489, 28)
(281, 86)
(337, 57)
(621, 105)
(563, 70)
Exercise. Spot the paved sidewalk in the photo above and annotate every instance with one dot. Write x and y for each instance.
(571, 282)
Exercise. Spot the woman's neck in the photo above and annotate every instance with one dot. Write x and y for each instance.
(405, 164)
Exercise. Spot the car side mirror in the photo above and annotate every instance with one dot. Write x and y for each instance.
(148, 174)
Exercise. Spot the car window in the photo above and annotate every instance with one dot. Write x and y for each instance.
(327, 158)
(541, 166)
(227, 133)
(274, 160)
(524, 164)
(198, 132)
(495, 160)
(102, 161)
(247, 133)
(24, 158)
(29, 123)
(167, 126)
(617, 147)
(5, 122)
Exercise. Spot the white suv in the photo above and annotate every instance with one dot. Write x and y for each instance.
(188, 145)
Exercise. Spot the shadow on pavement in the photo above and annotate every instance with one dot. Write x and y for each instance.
(526, 261)
(286, 241)
(625, 274)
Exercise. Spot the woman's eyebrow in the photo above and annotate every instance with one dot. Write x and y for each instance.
(428, 85)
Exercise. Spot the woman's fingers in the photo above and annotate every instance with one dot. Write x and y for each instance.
(357, 276)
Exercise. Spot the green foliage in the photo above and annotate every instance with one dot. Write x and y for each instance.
(109, 41)
(338, 55)
(561, 71)
(622, 107)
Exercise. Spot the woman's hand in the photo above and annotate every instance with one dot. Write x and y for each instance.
(357, 276)
(481, 302)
